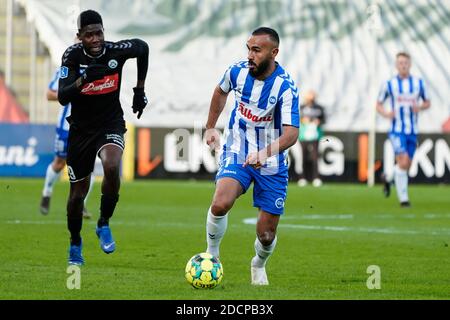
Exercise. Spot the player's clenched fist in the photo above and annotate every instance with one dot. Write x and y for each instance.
(256, 159)
(212, 137)
(139, 101)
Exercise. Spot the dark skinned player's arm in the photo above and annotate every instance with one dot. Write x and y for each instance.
(141, 52)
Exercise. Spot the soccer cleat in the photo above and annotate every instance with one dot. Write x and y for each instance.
(259, 276)
(387, 189)
(302, 182)
(45, 205)
(317, 182)
(86, 214)
(106, 240)
(405, 204)
(75, 256)
(386, 186)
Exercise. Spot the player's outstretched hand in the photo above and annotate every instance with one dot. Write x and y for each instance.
(139, 101)
(94, 72)
(212, 137)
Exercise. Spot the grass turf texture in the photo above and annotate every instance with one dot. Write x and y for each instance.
(326, 240)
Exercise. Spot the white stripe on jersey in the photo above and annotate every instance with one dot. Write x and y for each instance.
(243, 73)
(286, 114)
(234, 143)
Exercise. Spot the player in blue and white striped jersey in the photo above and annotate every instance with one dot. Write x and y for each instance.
(404, 92)
(262, 126)
(55, 168)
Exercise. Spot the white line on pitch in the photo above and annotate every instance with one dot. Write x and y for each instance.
(121, 223)
(319, 217)
(355, 229)
(365, 216)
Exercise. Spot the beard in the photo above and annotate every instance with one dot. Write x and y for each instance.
(260, 69)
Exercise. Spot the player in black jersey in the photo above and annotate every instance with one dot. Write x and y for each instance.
(90, 78)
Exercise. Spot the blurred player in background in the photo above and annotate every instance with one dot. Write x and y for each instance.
(55, 168)
(263, 125)
(90, 79)
(405, 92)
(312, 119)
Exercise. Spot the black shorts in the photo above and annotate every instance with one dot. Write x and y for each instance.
(83, 147)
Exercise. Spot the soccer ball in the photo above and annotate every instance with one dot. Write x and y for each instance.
(204, 271)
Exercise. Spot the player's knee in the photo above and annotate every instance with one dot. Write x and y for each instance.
(58, 165)
(111, 169)
(76, 199)
(404, 164)
(220, 207)
(266, 238)
(75, 205)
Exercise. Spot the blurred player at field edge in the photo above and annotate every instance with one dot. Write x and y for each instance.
(404, 91)
(312, 118)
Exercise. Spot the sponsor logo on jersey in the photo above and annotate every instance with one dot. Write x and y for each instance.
(112, 63)
(83, 68)
(406, 100)
(229, 171)
(64, 72)
(109, 83)
(247, 113)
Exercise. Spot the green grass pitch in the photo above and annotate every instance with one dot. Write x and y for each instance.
(326, 240)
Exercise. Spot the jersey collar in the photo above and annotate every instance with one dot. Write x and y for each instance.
(92, 57)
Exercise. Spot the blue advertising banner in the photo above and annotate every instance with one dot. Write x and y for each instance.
(25, 149)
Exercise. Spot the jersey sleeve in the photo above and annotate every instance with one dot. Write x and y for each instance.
(131, 48)
(225, 82)
(423, 92)
(383, 93)
(68, 74)
(134, 48)
(289, 107)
